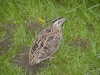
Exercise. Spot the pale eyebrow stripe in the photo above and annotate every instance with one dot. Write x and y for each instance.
(56, 19)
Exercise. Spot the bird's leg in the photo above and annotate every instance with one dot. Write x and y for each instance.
(16, 60)
(51, 58)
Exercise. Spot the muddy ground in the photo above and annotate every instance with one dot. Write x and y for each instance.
(22, 61)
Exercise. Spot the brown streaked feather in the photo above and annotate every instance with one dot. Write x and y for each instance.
(45, 45)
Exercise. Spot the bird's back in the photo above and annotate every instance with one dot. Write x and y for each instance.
(45, 44)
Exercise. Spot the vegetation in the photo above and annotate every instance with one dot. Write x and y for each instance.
(79, 52)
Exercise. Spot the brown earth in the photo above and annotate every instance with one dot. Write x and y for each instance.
(22, 61)
(90, 27)
(5, 41)
(82, 42)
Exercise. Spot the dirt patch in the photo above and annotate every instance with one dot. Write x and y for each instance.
(21, 58)
(90, 27)
(4, 45)
(5, 36)
(34, 27)
(83, 43)
(22, 61)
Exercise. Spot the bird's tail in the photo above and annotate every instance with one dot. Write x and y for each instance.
(34, 61)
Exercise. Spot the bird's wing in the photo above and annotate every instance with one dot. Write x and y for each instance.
(39, 42)
(45, 45)
(48, 47)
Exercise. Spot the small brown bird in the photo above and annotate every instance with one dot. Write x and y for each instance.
(47, 42)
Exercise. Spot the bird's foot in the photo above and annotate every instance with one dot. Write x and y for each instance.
(51, 58)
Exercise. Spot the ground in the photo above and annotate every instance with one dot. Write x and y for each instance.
(79, 51)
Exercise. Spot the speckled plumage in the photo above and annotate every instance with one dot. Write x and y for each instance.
(47, 42)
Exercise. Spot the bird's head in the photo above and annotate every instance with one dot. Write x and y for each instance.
(58, 21)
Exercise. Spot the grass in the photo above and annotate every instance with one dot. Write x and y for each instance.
(82, 22)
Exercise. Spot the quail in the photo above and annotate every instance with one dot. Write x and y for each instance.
(46, 42)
